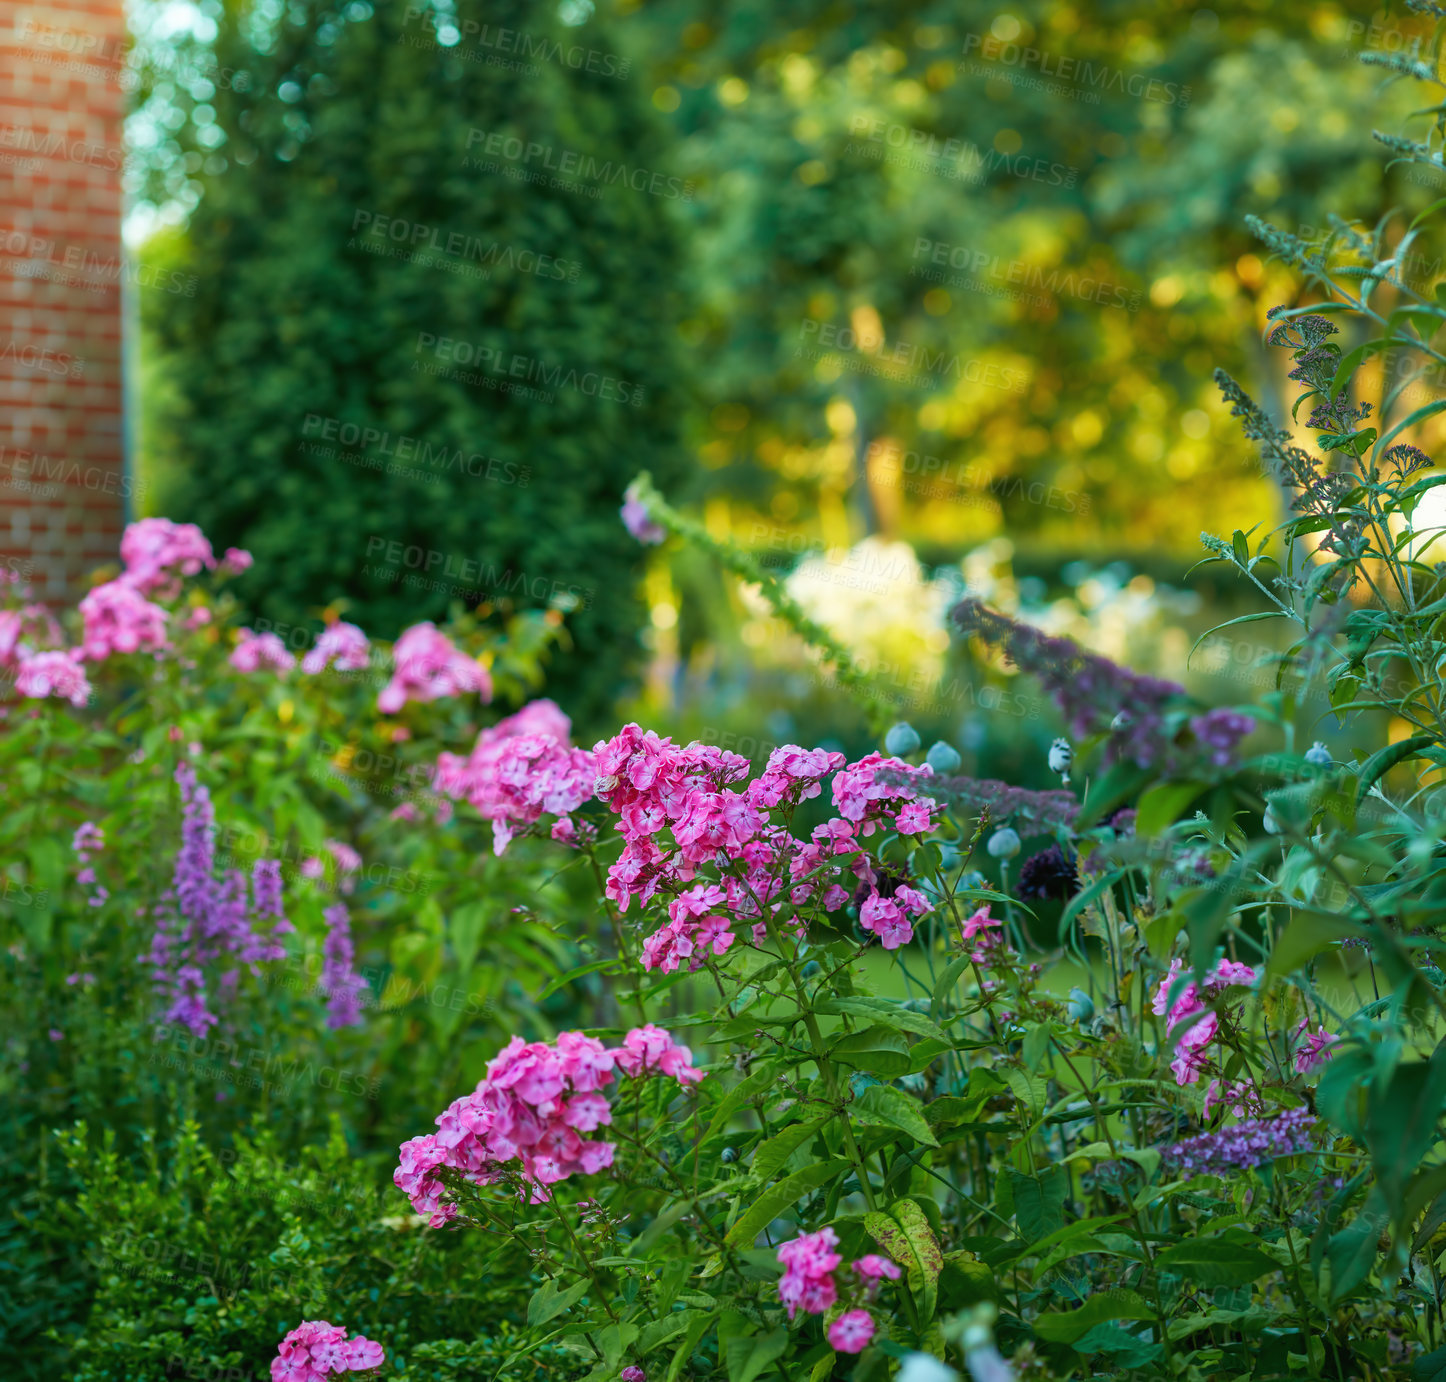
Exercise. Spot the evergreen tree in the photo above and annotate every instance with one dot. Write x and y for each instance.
(436, 271)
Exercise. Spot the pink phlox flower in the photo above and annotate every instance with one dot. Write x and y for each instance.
(851, 1332)
(885, 918)
(155, 551)
(651, 1050)
(873, 1267)
(1190, 1059)
(860, 797)
(807, 1283)
(261, 650)
(53, 674)
(316, 1349)
(792, 774)
(520, 769)
(117, 618)
(340, 643)
(428, 667)
(1314, 1050)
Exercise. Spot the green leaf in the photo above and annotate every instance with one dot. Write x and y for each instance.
(569, 976)
(927, 1253)
(763, 1079)
(1103, 1306)
(881, 1010)
(772, 1155)
(1430, 1367)
(1163, 805)
(1038, 1200)
(549, 1302)
(748, 1355)
(1383, 760)
(878, 1050)
(658, 1332)
(465, 927)
(1216, 1262)
(1305, 936)
(778, 1198)
(944, 986)
(883, 1104)
(1352, 1252)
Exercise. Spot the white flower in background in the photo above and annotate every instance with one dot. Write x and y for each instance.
(878, 601)
(1061, 758)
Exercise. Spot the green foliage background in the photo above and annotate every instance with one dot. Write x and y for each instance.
(1112, 153)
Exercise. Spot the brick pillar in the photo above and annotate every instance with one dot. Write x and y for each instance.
(63, 477)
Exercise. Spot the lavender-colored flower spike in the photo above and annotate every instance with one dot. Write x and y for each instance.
(342, 986)
(1242, 1145)
(207, 925)
(1091, 691)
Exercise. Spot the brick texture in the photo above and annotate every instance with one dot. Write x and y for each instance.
(63, 477)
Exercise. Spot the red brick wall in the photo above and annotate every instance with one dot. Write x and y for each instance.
(63, 479)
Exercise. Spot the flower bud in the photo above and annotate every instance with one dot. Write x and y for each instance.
(730, 1155)
(902, 740)
(1003, 844)
(943, 758)
(1317, 755)
(1081, 1006)
(1271, 824)
(1061, 757)
(924, 1367)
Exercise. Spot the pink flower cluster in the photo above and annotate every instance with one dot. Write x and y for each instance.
(341, 644)
(978, 929)
(427, 666)
(520, 769)
(316, 1349)
(53, 674)
(256, 651)
(809, 1284)
(1314, 1049)
(1182, 1003)
(696, 794)
(156, 551)
(117, 618)
(533, 1107)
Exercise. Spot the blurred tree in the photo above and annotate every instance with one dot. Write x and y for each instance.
(966, 270)
(435, 275)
